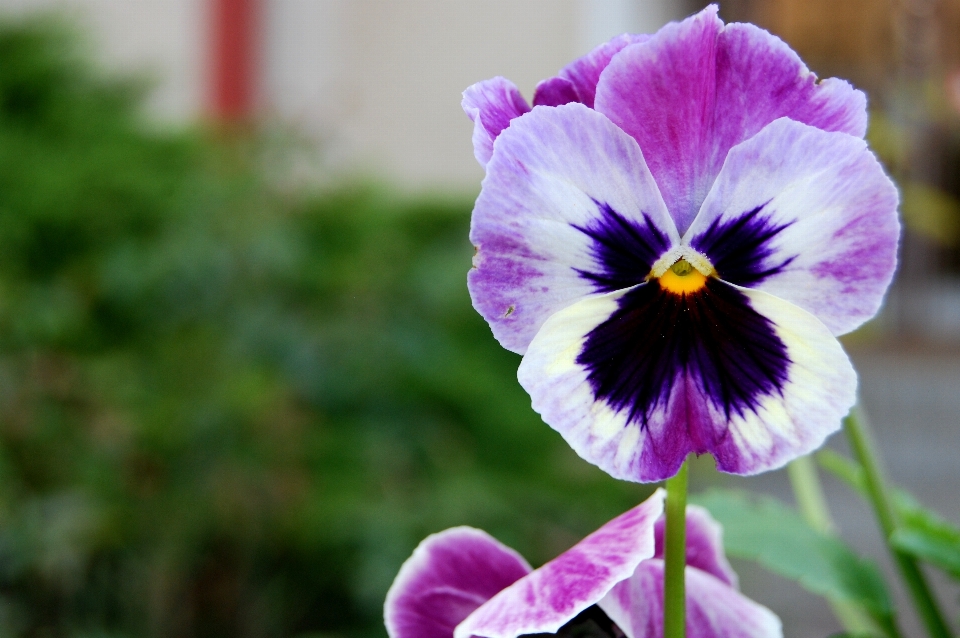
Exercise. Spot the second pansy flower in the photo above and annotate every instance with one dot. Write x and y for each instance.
(673, 239)
(462, 583)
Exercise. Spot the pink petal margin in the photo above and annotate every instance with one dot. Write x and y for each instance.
(449, 575)
(546, 599)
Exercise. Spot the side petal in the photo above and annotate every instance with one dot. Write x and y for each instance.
(697, 88)
(448, 576)
(546, 599)
(567, 208)
(704, 545)
(806, 215)
(714, 609)
(636, 380)
(491, 105)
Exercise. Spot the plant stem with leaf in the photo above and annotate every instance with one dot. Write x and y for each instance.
(858, 433)
(812, 503)
(675, 556)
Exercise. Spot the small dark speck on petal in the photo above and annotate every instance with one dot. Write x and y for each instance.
(508, 312)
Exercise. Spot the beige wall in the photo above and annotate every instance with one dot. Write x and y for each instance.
(379, 81)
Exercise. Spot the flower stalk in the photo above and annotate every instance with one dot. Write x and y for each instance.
(857, 429)
(675, 556)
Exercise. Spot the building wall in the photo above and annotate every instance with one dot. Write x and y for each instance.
(378, 82)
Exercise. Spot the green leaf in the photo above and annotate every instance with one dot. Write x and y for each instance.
(921, 532)
(926, 535)
(765, 530)
(847, 470)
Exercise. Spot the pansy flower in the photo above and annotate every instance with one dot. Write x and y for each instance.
(462, 582)
(673, 237)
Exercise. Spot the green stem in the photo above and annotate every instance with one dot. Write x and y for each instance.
(858, 432)
(675, 557)
(812, 503)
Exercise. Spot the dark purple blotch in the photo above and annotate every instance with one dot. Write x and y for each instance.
(713, 337)
(625, 250)
(739, 248)
(592, 622)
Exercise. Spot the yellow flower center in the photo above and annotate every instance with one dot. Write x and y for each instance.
(682, 278)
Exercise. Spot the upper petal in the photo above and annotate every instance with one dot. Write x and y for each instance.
(567, 208)
(704, 544)
(806, 215)
(491, 105)
(448, 576)
(555, 91)
(578, 80)
(636, 380)
(697, 88)
(714, 609)
(546, 599)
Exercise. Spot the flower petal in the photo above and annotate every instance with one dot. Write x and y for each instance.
(546, 599)
(582, 74)
(636, 380)
(491, 105)
(714, 609)
(697, 88)
(806, 215)
(555, 91)
(448, 576)
(568, 207)
(704, 544)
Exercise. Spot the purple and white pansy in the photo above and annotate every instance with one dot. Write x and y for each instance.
(673, 237)
(462, 582)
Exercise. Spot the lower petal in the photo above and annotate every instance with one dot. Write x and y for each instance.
(448, 576)
(548, 598)
(714, 609)
(638, 379)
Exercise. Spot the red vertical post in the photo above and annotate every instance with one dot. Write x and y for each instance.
(234, 39)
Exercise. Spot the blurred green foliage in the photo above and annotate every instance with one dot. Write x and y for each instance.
(227, 410)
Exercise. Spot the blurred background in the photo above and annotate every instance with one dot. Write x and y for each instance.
(240, 377)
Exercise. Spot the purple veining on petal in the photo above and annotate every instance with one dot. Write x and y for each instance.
(554, 92)
(656, 338)
(449, 575)
(491, 105)
(549, 597)
(740, 247)
(714, 609)
(699, 87)
(704, 544)
(624, 249)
